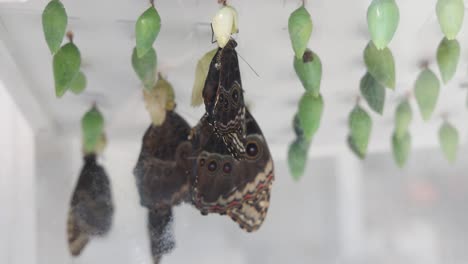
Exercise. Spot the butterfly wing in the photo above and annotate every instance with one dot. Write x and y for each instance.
(161, 172)
(222, 184)
(224, 101)
(91, 209)
(160, 232)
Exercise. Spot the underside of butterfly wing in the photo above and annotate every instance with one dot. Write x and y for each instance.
(222, 184)
(224, 100)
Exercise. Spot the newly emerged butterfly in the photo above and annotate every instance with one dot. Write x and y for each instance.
(91, 207)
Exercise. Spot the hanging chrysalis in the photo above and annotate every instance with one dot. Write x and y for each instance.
(401, 138)
(426, 92)
(448, 55)
(450, 14)
(401, 146)
(310, 114)
(91, 208)
(309, 70)
(66, 66)
(383, 17)
(380, 64)
(54, 24)
(147, 30)
(66, 59)
(373, 92)
(449, 141)
(403, 118)
(360, 126)
(145, 67)
(308, 67)
(297, 157)
(300, 29)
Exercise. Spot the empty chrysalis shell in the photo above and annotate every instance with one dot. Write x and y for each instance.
(201, 72)
(224, 23)
(159, 100)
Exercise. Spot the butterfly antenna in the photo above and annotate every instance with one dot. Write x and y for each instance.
(249, 65)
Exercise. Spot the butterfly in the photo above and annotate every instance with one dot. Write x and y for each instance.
(233, 170)
(162, 176)
(224, 99)
(91, 208)
(162, 171)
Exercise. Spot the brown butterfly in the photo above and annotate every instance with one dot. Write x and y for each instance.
(224, 99)
(162, 169)
(222, 184)
(91, 208)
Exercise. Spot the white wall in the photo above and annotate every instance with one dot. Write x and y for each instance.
(53, 184)
(17, 185)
